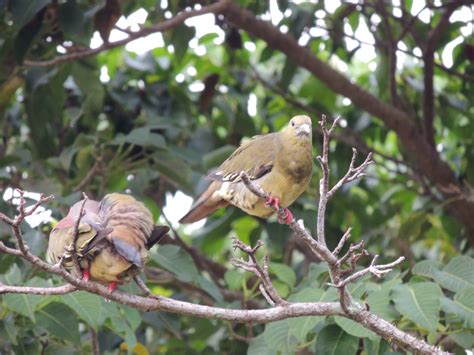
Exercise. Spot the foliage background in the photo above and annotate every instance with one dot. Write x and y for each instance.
(156, 123)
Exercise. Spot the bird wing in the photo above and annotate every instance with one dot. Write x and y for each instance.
(255, 157)
(60, 238)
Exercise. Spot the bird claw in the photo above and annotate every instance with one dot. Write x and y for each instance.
(112, 286)
(86, 275)
(285, 216)
(272, 202)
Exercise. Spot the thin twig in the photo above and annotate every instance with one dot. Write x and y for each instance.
(160, 27)
(261, 271)
(94, 342)
(141, 284)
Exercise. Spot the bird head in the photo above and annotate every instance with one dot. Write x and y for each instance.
(300, 126)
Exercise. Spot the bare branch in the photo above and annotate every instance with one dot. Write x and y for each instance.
(376, 270)
(94, 342)
(252, 265)
(90, 174)
(353, 173)
(141, 284)
(60, 290)
(342, 241)
(428, 57)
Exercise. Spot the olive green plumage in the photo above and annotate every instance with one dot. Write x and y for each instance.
(281, 163)
(114, 237)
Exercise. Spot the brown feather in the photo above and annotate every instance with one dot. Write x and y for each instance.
(207, 203)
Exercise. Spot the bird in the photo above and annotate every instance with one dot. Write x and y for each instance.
(280, 162)
(114, 236)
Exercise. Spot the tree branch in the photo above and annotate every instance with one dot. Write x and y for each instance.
(160, 27)
(428, 58)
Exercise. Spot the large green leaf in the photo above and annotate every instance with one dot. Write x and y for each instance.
(173, 259)
(462, 306)
(279, 337)
(284, 273)
(425, 268)
(258, 346)
(457, 275)
(419, 302)
(59, 320)
(143, 137)
(332, 340)
(24, 10)
(301, 326)
(87, 306)
(379, 302)
(23, 304)
(354, 328)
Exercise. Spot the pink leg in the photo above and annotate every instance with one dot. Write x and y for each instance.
(286, 217)
(272, 202)
(86, 275)
(112, 286)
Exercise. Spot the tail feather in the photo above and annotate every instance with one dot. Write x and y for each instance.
(159, 232)
(204, 205)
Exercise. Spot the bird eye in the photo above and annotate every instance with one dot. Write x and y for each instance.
(292, 123)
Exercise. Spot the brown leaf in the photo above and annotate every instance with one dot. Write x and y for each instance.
(208, 93)
(105, 18)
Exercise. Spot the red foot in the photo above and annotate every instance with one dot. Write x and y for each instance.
(112, 286)
(86, 275)
(286, 217)
(272, 202)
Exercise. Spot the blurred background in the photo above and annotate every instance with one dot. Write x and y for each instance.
(153, 117)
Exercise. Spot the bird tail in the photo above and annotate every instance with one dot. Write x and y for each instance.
(204, 205)
(159, 232)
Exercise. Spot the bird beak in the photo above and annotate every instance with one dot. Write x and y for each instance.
(304, 129)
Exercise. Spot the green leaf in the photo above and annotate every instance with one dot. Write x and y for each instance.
(180, 38)
(9, 330)
(279, 337)
(142, 137)
(175, 169)
(425, 268)
(123, 321)
(24, 10)
(173, 259)
(379, 302)
(376, 346)
(464, 339)
(216, 157)
(419, 302)
(332, 340)
(301, 326)
(284, 273)
(457, 275)
(234, 279)
(258, 346)
(59, 320)
(87, 306)
(210, 287)
(462, 306)
(20, 303)
(354, 328)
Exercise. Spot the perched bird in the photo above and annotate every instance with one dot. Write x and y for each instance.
(281, 163)
(113, 240)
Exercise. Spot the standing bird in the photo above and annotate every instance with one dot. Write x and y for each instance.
(281, 163)
(114, 237)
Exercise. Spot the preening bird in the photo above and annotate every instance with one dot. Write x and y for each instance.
(281, 163)
(114, 237)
